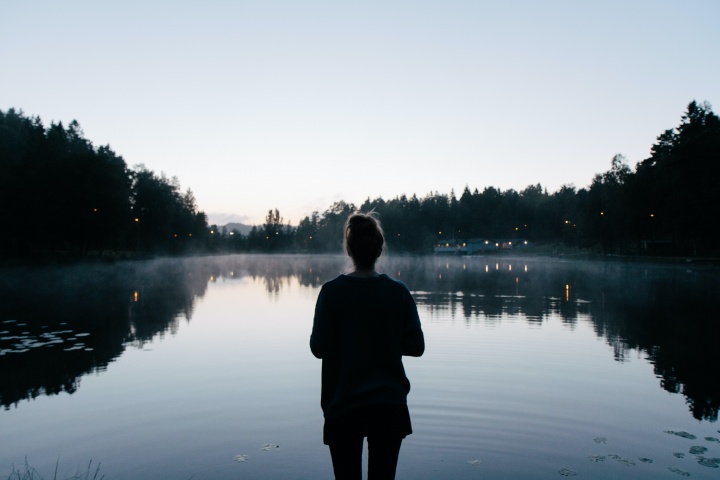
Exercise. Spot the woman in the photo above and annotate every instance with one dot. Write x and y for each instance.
(364, 323)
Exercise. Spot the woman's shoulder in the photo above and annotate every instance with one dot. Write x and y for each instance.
(334, 282)
(394, 282)
(346, 281)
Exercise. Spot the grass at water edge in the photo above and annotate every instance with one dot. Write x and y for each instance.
(29, 473)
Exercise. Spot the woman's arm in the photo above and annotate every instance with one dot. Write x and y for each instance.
(413, 338)
(318, 331)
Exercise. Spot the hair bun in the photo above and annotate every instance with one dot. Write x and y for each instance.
(364, 240)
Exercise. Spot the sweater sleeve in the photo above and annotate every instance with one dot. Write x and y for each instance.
(413, 338)
(317, 337)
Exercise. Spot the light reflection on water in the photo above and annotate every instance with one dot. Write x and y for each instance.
(174, 368)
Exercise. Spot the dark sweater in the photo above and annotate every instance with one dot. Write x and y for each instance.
(362, 328)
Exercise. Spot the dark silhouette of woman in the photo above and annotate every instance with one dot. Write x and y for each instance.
(364, 323)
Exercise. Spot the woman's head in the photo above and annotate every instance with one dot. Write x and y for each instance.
(364, 239)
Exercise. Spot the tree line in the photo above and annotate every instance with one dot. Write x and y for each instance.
(59, 192)
(668, 205)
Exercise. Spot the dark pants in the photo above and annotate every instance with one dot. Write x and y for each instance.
(383, 454)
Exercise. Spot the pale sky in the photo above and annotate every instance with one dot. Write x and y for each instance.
(296, 104)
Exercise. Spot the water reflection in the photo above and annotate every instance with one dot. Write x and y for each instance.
(58, 324)
(669, 313)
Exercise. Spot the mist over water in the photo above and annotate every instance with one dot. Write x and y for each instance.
(535, 368)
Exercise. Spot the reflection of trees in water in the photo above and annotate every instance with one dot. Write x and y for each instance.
(165, 292)
(58, 324)
(276, 271)
(667, 313)
(673, 319)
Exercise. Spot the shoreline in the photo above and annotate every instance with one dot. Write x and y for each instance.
(109, 258)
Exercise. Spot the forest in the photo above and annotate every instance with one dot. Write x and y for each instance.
(62, 196)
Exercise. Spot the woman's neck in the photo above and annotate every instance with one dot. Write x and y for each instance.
(363, 272)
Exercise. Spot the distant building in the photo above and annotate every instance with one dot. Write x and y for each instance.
(477, 246)
(450, 247)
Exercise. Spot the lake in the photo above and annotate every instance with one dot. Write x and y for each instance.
(200, 368)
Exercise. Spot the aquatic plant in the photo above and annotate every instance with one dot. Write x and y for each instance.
(30, 473)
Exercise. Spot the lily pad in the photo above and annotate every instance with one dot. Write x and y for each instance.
(596, 458)
(697, 450)
(241, 458)
(682, 434)
(624, 461)
(709, 462)
(678, 455)
(645, 460)
(600, 440)
(566, 472)
(682, 473)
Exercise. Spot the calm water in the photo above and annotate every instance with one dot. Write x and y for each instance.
(534, 368)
